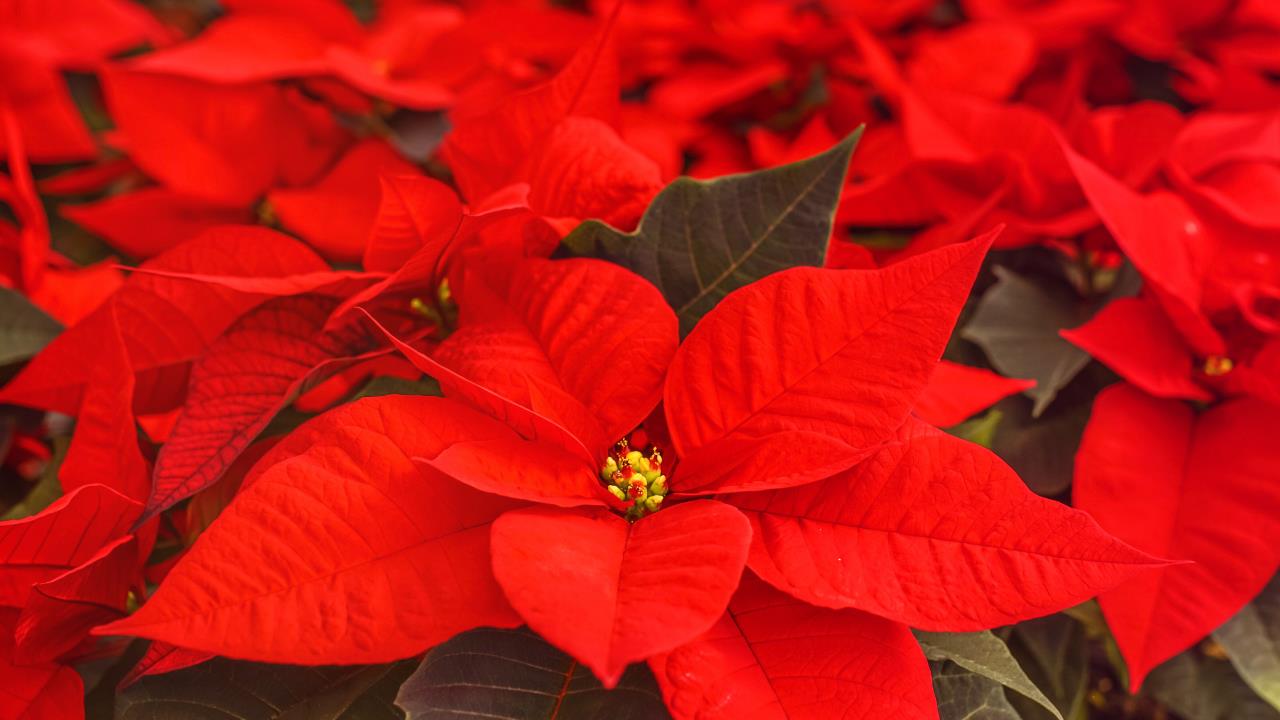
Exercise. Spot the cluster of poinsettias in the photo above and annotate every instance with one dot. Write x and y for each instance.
(681, 441)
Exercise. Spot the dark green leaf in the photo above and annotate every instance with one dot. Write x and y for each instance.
(515, 675)
(391, 385)
(417, 134)
(1089, 615)
(700, 240)
(1055, 655)
(1043, 449)
(988, 656)
(1204, 688)
(1017, 324)
(1017, 320)
(24, 328)
(1252, 641)
(223, 689)
(965, 695)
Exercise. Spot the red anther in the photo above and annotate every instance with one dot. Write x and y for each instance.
(636, 489)
(627, 471)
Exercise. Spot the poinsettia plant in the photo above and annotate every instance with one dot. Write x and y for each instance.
(643, 359)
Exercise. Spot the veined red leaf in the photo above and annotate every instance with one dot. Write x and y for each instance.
(610, 592)
(935, 532)
(1133, 337)
(243, 48)
(1163, 238)
(547, 473)
(412, 212)
(1206, 487)
(71, 294)
(330, 282)
(424, 269)
(964, 59)
(104, 449)
(340, 544)
(146, 222)
(423, 92)
(47, 125)
(957, 392)
(63, 536)
(36, 692)
(224, 143)
(703, 88)
(20, 193)
(330, 19)
(781, 459)
(583, 342)
(772, 657)
(81, 33)
(61, 611)
(583, 169)
(527, 423)
(169, 321)
(246, 376)
(485, 148)
(335, 213)
(837, 352)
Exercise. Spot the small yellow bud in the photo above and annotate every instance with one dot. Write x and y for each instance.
(606, 472)
(658, 486)
(652, 503)
(618, 492)
(637, 490)
(1218, 365)
(634, 457)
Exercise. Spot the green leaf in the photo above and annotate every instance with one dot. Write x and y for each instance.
(980, 430)
(391, 385)
(700, 240)
(1089, 614)
(1252, 642)
(417, 134)
(1043, 449)
(988, 656)
(223, 689)
(965, 695)
(1017, 324)
(513, 675)
(1204, 688)
(24, 328)
(1054, 653)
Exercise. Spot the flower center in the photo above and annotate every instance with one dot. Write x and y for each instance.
(635, 477)
(1218, 365)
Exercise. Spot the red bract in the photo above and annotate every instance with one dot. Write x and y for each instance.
(1211, 501)
(560, 138)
